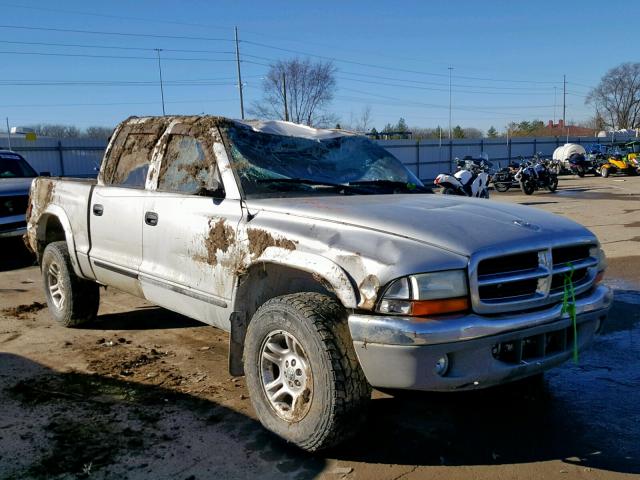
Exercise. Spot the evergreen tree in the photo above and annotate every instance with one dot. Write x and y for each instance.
(492, 132)
(458, 132)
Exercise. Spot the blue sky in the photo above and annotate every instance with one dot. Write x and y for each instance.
(507, 57)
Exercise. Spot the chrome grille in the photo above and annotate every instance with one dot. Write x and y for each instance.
(523, 280)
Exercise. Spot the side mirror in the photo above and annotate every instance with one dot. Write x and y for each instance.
(45, 174)
(215, 190)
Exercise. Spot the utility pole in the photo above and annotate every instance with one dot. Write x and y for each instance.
(8, 133)
(158, 50)
(564, 99)
(555, 91)
(284, 93)
(450, 136)
(239, 75)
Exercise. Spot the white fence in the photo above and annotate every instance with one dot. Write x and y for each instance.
(79, 157)
(425, 158)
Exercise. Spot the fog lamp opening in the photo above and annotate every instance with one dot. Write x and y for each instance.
(442, 365)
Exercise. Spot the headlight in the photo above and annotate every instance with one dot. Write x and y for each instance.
(426, 294)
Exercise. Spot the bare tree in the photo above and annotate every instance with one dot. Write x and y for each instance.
(56, 130)
(363, 123)
(616, 99)
(98, 132)
(309, 90)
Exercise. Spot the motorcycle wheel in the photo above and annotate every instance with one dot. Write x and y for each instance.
(528, 188)
(552, 186)
(449, 191)
(580, 171)
(604, 172)
(501, 187)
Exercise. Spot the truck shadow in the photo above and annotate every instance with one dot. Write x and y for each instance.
(60, 424)
(143, 318)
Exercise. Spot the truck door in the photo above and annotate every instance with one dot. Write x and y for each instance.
(116, 206)
(189, 233)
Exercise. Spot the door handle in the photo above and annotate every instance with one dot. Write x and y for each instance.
(151, 219)
(98, 209)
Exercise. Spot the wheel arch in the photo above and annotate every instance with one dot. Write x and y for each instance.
(281, 273)
(52, 226)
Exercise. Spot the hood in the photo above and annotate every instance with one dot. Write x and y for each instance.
(460, 225)
(15, 186)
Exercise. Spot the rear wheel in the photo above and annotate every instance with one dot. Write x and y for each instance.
(303, 375)
(553, 183)
(501, 187)
(72, 301)
(580, 171)
(449, 191)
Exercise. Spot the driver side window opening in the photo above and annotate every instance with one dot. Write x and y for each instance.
(188, 167)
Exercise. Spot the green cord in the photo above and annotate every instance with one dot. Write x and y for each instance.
(569, 306)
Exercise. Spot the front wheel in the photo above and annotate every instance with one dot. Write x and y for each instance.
(527, 187)
(501, 187)
(553, 183)
(305, 382)
(580, 171)
(604, 172)
(449, 191)
(72, 301)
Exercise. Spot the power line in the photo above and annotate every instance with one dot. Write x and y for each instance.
(336, 59)
(87, 55)
(120, 34)
(113, 47)
(111, 103)
(119, 17)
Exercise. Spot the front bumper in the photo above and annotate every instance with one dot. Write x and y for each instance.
(402, 352)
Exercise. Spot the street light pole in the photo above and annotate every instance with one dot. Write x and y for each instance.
(239, 75)
(158, 50)
(450, 136)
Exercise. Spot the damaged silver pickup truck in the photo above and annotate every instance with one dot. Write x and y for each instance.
(331, 265)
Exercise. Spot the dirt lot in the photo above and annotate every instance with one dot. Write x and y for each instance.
(144, 393)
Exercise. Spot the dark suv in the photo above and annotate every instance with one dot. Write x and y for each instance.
(15, 179)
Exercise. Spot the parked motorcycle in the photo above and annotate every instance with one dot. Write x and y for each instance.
(504, 179)
(471, 179)
(580, 165)
(533, 176)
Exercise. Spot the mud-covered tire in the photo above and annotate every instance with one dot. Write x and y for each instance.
(72, 301)
(335, 391)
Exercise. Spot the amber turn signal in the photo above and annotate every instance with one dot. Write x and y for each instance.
(434, 307)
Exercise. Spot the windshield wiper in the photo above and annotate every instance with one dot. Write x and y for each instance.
(393, 184)
(311, 182)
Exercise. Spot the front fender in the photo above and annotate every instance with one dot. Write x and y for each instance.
(319, 266)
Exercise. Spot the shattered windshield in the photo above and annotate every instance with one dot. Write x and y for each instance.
(276, 165)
